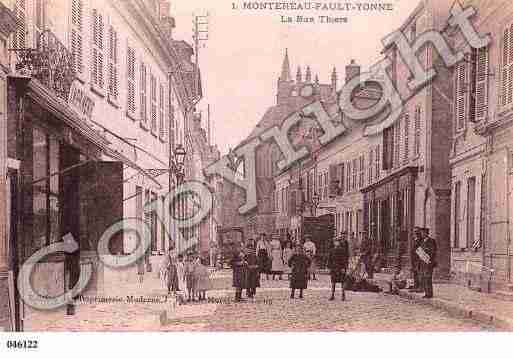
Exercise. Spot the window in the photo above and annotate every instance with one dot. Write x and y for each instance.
(130, 71)
(457, 211)
(388, 147)
(154, 199)
(342, 177)
(406, 148)
(113, 64)
(416, 134)
(19, 37)
(362, 172)
(507, 67)
(355, 174)
(319, 185)
(413, 32)
(142, 94)
(77, 8)
(153, 96)
(471, 211)
(97, 50)
(162, 119)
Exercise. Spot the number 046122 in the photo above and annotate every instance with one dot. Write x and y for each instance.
(22, 344)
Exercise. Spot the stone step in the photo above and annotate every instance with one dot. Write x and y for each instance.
(475, 288)
(510, 287)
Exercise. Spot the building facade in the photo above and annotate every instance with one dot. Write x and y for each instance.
(98, 95)
(481, 156)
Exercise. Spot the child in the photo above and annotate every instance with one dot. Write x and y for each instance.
(202, 279)
(190, 278)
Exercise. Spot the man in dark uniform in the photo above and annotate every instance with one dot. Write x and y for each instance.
(415, 260)
(338, 260)
(427, 262)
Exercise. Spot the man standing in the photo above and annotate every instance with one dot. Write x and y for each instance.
(338, 259)
(415, 260)
(427, 254)
(310, 251)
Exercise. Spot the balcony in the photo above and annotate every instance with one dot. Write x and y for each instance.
(51, 63)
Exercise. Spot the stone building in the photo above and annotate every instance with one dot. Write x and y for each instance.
(292, 95)
(97, 99)
(481, 155)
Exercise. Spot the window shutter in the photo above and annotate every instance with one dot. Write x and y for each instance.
(142, 86)
(131, 80)
(355, 174)
(76, 35)
(348, 177)
(481, 93)
(371, 167)
(333, 180)
(378, 163)
(162, 119)
(153, 97)
(97, 56)
(507, 67)
(462, 93)
(113, 63)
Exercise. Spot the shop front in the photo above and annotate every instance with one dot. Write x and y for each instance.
(67, 179)
(389, 214)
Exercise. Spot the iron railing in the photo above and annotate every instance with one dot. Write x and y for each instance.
(50, 62)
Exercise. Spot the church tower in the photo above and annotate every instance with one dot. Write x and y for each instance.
(285, 82)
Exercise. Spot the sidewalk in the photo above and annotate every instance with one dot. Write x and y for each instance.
(461, 301)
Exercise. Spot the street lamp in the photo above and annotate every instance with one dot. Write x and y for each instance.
(180, 154)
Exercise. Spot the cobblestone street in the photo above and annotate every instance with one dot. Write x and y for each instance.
(271, 310)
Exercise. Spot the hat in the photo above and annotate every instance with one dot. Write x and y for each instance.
(425, 229)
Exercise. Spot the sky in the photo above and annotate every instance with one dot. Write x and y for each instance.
(241, 61)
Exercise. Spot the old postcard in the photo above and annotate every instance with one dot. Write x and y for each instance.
(255, 166)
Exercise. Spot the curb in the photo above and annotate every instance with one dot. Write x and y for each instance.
(461, 311)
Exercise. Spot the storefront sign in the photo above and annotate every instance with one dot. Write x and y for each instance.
(80, 101)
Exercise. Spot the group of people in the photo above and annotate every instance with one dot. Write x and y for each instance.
(268, 258)
(273, 256)
(188, 275)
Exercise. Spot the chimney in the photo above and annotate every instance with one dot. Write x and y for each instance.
(352, 70)
(308, 77)
(298, 75)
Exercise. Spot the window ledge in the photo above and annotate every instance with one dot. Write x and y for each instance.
(97, 90)
(113, 101)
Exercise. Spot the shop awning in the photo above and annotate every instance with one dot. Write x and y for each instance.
(61, 110)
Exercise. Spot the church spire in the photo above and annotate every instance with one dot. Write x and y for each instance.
(285, 68)
(308, 77)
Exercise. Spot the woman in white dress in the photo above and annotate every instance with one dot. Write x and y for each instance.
(276, 257)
